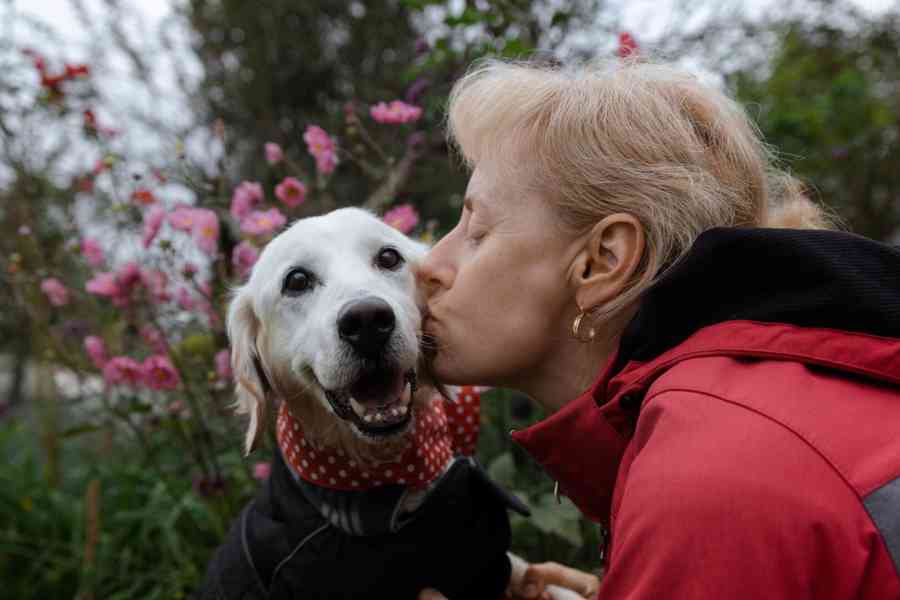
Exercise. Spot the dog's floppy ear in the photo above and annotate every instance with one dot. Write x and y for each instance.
(251, 386)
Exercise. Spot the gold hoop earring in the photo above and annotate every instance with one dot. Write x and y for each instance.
(576, 328)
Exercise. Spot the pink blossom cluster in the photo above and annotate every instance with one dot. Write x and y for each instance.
(322, 147)
(156, 372)
(92, 251)
(291, 191)
(243, 258)
(245, 198)
(395, 112)
(153, 220)
(223, 365)
(198, 299)
(403, 217)
(262, 471)
(55, 291)
(248, 195)
(119, 286)
(261, 223)
(274, 153)
(201, 223)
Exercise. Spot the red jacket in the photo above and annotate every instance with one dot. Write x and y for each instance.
(750, 460)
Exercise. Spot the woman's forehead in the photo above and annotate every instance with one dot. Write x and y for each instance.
(485, 191)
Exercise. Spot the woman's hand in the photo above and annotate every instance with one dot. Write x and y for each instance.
(534, 584)
(538, 577)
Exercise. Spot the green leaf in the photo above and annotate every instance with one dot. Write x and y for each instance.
(470, 16)
(560, 519)
(503, 469)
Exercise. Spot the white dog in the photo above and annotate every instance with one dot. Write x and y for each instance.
(328, 325)
(330, 305)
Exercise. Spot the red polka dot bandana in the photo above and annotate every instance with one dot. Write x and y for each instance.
(441, 430)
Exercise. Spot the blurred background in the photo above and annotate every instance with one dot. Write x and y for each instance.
(149, 149)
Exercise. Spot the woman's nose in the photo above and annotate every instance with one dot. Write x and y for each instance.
(436, 272)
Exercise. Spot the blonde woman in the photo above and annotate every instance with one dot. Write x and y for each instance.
(723, 394)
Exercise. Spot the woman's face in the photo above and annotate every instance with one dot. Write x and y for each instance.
(498, 295)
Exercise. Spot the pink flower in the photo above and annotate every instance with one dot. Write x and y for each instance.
(244, 257)
(263, 222)
(56, 292)
(154, 339)
(104, 284)
(185, 298)
(153, 220)
(129, 274)
(123, 370)
(245, 197)
(403, 217)
(96, 350)
(92, 252)
(274, 154)
(291, 191)
(395, 112)
(159, 374)
(206, 230)
(261, 471)
(223, 364)
(183, 218)
(157, 283)
(627, 45)
(322, 147)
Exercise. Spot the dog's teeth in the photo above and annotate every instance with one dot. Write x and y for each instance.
(357, 407)
(406, 398)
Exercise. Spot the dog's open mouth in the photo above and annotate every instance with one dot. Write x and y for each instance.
(379, 403)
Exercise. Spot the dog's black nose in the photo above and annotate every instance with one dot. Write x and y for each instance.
(366, 324)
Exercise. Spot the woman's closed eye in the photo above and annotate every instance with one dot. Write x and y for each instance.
(475, 235)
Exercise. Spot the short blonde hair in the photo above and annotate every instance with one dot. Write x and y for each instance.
(625, 136)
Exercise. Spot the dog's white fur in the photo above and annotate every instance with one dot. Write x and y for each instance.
(296, 339)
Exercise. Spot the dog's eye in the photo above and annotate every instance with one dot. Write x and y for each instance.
(388, 258)
(297, 282)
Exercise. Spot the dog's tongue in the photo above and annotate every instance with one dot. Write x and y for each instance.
(378, 388)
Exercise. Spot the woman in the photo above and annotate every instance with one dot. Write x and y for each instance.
(724, 396)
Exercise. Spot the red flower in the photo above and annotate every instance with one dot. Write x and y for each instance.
(627, 45)
(52, 81)
(143, 196)
(90, 120)
(85, 184)
(73, 71)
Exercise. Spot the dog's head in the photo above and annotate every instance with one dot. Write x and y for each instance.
(328, 323)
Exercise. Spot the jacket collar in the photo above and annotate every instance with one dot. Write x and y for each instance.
(581, 445)
(771, 293)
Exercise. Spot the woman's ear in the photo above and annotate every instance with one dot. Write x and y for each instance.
(251, 386)
(605, 265)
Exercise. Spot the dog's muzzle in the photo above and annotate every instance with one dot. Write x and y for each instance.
(379, 403)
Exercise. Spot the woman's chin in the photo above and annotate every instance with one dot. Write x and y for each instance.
(450, 372)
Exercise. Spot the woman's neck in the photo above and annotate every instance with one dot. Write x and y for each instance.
(567, 372)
